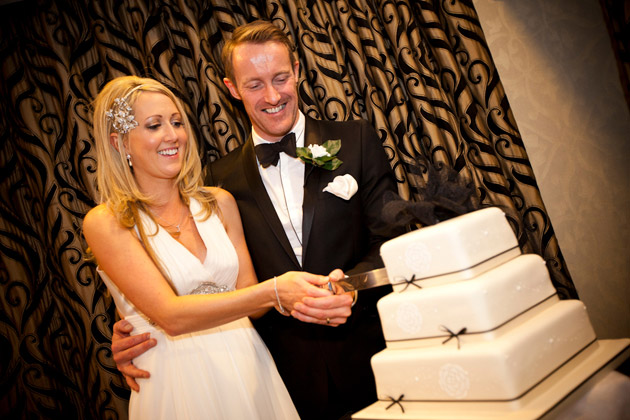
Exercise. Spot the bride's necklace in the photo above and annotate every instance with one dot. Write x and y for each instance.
(170, 226)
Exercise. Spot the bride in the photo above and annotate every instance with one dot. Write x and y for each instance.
(173, 255)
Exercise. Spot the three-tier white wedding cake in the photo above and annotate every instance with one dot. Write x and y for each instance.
(473, 326)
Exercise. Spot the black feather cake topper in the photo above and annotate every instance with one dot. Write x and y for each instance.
(445, 195)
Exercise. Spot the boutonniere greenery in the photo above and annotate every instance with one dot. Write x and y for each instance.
(322, 155)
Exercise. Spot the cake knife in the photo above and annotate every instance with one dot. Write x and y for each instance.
(366, 280)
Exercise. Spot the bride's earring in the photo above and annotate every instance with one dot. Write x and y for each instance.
(129, 160)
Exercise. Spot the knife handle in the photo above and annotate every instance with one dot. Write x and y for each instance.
(343, 285)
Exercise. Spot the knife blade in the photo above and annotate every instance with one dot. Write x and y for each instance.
(366, 280)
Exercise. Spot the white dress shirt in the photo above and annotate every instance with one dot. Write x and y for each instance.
(285, 187)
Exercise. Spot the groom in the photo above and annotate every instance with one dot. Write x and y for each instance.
(295, 220)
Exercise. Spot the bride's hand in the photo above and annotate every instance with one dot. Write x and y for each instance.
(293, 286)
(331, 310)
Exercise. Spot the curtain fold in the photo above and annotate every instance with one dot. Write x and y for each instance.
(419, 71)
(617, 18)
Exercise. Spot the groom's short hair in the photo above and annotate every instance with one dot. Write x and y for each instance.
(256, 32)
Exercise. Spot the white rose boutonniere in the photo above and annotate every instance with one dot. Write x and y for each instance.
(343, 186)
(322, 155)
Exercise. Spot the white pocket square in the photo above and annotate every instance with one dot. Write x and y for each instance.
(343, 186)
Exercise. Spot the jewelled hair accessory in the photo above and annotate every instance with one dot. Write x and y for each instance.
(121, 117)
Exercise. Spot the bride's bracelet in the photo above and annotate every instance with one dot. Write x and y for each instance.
(275, 287)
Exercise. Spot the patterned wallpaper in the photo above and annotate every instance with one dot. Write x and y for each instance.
(557, 66)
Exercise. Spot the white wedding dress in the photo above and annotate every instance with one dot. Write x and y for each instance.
(220, 373)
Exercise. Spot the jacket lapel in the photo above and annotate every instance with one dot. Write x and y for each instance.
(259, 192)
(312, 175)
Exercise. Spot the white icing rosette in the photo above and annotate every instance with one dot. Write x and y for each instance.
(418, 258)
(409, 318)
(343, 186)
(454, 380)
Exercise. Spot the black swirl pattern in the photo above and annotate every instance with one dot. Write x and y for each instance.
(420, 72)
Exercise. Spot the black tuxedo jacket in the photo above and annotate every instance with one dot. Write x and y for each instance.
(326, 370)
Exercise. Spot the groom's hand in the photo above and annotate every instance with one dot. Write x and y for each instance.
(125, 348)
(330, 310)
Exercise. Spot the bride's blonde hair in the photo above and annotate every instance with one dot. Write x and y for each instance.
(117, 187)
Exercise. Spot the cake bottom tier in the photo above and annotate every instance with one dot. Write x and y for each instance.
(553, 397)
(500, 370)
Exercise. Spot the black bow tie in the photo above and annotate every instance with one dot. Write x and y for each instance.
(268, 153)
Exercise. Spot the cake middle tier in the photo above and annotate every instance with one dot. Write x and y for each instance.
(518, 288)
(500, 370)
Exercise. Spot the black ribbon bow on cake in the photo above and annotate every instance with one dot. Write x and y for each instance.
(269, 153)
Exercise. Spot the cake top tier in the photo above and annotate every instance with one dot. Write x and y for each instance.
(453, 250)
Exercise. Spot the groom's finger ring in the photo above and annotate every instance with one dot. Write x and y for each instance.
(327, 320)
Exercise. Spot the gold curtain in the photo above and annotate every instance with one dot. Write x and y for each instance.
(419, 71)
